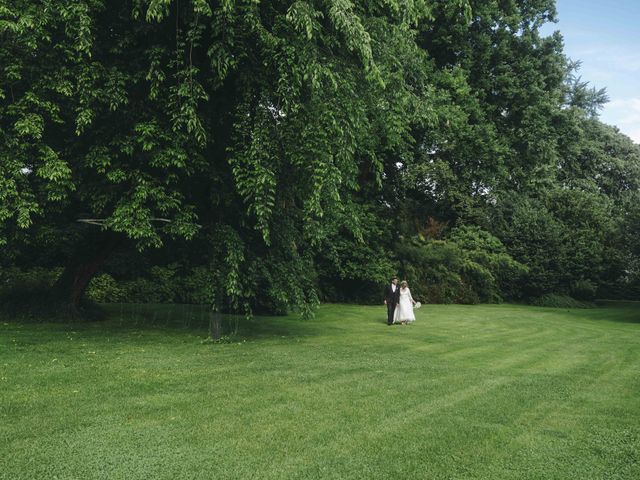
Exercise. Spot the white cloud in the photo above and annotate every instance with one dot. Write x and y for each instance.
(634, 133)
(627, 61)
(625, 114)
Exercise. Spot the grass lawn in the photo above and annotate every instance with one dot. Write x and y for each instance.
(482, 392)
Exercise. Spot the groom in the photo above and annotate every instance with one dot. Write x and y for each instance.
(391, 298)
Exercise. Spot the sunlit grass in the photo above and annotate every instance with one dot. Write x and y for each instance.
(490, 391)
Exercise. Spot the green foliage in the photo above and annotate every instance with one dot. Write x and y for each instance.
(72, 130)
(352, 264)
(19, 278)
(196, 286)
(556, 300)
(470, 266)
(498, 271)
(535, 238)
(583, 290)
(301, 148)
(27, 294)
(159, 285)
(104, 289)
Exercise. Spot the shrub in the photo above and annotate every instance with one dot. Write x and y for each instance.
(161, 284)
(493, 272)
(28, 295)
(167, 285)
(559, 301)
(16, 278)
(470, 266)
(142, 290)
(104, 289)
(196, 287)
(583, 289)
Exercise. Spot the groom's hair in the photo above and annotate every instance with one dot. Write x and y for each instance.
(394, 278)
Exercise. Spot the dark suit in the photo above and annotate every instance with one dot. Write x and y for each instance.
(392, 298)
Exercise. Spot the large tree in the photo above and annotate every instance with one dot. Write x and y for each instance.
(251, 121)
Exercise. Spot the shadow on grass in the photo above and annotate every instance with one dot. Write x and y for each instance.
(195, 319)
(192, 319)
(626, 311)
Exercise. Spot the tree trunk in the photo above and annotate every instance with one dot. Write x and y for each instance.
(88, 258)
(215, 324)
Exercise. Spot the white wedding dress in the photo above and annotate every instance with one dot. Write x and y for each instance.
(404, 309)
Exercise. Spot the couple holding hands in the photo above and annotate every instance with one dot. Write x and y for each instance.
(399, 303)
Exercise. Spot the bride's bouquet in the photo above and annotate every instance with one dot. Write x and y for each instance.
(417, 305)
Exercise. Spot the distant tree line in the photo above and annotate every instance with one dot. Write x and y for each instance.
(265, 156)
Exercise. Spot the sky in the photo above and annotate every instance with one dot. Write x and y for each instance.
(605, 36)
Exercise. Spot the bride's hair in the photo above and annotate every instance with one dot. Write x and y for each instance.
(404, 284)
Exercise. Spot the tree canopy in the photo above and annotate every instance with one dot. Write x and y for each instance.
(306, 150)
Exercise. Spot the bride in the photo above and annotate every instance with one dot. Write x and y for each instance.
(404, 310)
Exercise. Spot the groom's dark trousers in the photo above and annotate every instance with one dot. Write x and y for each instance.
(391, 308)
(392, 298)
